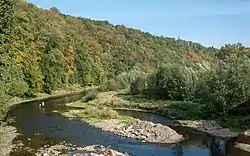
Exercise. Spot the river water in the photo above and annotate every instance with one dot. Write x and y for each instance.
(43, 126)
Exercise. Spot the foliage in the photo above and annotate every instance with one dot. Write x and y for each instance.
(175, 82)
(227, 86)
(3, 103)
(98, 113)
(53, 67)
(138, 85)
(6, 18)
(121, 81)
(45, 50)
(91, 95)
(11, 80)
(51, 50)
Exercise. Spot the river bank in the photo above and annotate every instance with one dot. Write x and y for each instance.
(42, 128)
(66, 150)
(7, 135)
(110, 121)
(185, 113)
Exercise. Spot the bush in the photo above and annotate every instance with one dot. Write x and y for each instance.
(173, 82)
(139, 85)
(91, 95)
(122, 81)
(3, 103)
(226, 87)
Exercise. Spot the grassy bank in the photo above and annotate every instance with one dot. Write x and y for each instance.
(181, 110)
(93, 114)
(178, 110)
(42, 96)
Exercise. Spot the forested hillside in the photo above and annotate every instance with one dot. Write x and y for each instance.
(45, 50)
(51, 50)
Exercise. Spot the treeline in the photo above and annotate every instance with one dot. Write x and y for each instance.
(223, 88)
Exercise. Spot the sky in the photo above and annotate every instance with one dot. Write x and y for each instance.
(209, 22)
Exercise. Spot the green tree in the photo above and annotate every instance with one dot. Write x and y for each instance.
(174, 82)
(53, 67)
(227, 86)
(88, 72)
(6, 24)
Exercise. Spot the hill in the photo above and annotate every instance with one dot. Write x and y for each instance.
(45, 50)
(53, 50)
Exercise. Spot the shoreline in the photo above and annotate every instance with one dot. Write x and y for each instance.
(111, 100)
(9, 133)
(130, 127)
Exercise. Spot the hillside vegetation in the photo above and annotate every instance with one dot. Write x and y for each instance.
(45, 50)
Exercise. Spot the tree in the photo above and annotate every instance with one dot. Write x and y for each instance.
(88, 72)
(227, 86)
(53, 67)
(55, 10)
(69, 55)
(6, 20)
(6, 23)
(175, 82)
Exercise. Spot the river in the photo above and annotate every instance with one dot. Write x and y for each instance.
(43, 126)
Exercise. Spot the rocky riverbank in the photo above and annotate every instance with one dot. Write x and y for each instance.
(141, 130)
(98, 150)
(7, 135)
(111, 99)
(110, 121)
(65, 150)
(242, 146)
(209, 127)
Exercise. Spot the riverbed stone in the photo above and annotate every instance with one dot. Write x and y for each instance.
(247, 133)
(242, 146)
(141, 130)
(224, 133)
(98, 150)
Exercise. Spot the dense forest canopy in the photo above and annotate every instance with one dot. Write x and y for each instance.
(53, 50)
(45, 50)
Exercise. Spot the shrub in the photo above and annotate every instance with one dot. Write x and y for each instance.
(123, 80)
(139, 85)
(91, 95)
(173, 82)
(3, 103)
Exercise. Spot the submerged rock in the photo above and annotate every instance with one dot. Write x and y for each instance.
(141, 130)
